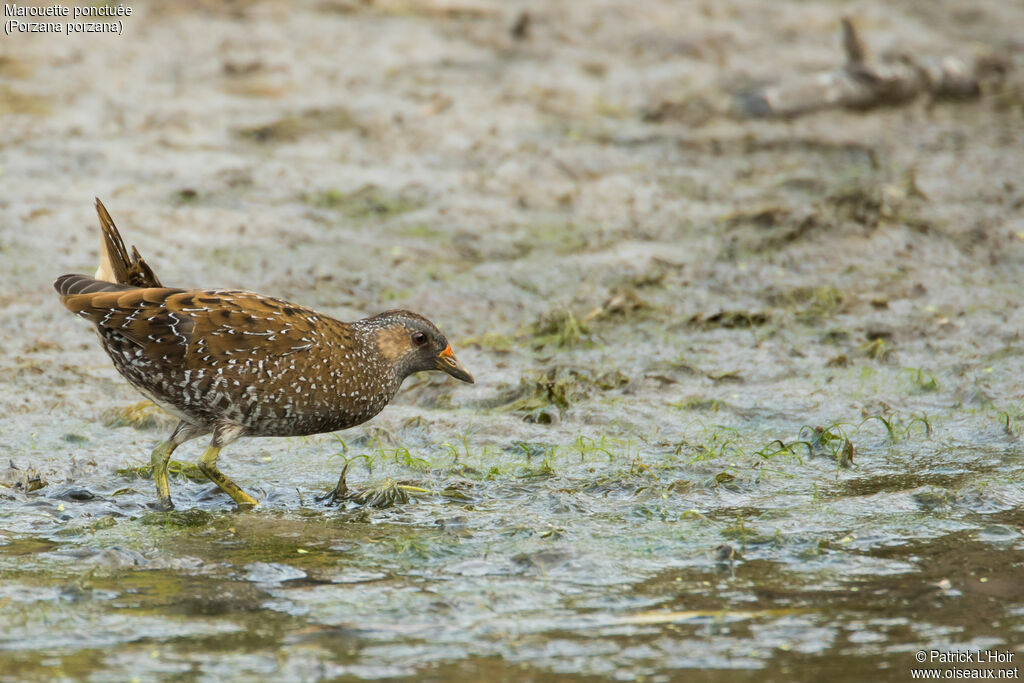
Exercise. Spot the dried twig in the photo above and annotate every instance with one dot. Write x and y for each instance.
(864, 83)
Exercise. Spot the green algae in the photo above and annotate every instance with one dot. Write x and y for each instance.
(175, 468)
(292, 128)
(366, 203)
(144, 415)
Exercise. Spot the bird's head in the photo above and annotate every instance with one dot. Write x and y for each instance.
(411, 343)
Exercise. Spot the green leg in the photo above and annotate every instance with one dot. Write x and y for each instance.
(208, 464)
(161, 454)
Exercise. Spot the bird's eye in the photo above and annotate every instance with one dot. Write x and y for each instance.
(419, 339)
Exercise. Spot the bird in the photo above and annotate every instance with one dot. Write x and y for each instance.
(233, 363)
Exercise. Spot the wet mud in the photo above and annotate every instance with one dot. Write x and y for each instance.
(748, 400)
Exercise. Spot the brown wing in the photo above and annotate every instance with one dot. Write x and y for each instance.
(142, 316)
(229, 324)
(193, 327)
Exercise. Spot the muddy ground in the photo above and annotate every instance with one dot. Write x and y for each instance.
(682, 324)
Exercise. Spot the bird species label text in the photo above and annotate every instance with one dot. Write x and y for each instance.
(84, 19)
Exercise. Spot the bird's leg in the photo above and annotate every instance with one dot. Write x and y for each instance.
(161, 456)
(223, 435)
(208, 465)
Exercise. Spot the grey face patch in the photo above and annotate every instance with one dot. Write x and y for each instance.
(405, 340)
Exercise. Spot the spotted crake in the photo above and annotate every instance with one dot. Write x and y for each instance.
(236, 363)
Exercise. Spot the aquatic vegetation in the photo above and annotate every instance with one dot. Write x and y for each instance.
(923, 380)
(601, 447)
(26, 479)
(90, 527)
(810, 304)
(1011, 424)
(832, 439)
(730, 319)
(175, 468)
(366, 203)
(531, 450)
(877, 349)
(496, 341)
(396, 453)
(144, 415)
(900, 426)
(192, 518)
(697, 403)
(863, 202)
(779, 447)
(544, 396)
(387, 494)
(294, 127)
(622, 305)
(560, 328)
(710, 442)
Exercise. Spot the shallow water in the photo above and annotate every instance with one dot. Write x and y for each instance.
(681, 332)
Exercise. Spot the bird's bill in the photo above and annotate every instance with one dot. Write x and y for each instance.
(447, 362)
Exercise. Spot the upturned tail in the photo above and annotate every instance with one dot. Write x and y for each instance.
(118, 269)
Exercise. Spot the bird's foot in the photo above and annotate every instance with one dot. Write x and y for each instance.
(163, 504)
(339, 493)
(247, 502)
(388, 494)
